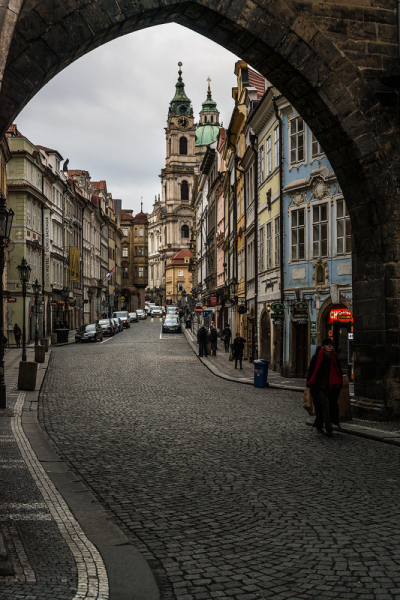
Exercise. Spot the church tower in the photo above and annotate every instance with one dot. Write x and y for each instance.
(172, 218)
(208, 126)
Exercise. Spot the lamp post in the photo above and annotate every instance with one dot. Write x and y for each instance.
(24, 271)
(6, 217)
(90, 296)
(65, 295)
(36, 291)
(234, 289)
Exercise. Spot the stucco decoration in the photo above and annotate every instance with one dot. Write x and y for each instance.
(299, 273)
(315, 264)
(344, 268)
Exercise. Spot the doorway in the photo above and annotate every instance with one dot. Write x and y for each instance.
(266, 337)
(301, 349)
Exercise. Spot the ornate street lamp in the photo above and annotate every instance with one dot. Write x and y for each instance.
(6, 217)
(36, 291)
(234, 289)
(90, 296)
(24, 271)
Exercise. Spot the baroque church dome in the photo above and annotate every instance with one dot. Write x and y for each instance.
(208, 127)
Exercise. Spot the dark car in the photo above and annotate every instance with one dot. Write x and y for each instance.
(89, 333)
(133, 317)
(107, 326)
(171, 324)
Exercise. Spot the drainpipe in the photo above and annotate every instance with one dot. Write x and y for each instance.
(281, 210)
(254, 142)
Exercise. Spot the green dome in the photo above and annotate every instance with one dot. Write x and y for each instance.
(209, 104)
(206, 134)
(180, 103)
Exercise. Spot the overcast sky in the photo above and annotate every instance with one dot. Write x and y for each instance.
(106, 113)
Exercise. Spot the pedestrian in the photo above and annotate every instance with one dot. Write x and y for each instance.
(202, 340)
(325, 380)
(226, 337)
(213, 337)
(238, 347)
(17, 335)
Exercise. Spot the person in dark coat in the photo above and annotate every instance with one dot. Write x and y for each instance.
(213, 337)
(17, 335)
(202, 340)
(226, 336)
(325, 380)
(238, 347)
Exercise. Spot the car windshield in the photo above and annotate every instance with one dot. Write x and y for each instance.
(156, 308)
(121, 315)
(132, 314)
(139, 312)
(104, 322)
(170, 321)
(90, 328)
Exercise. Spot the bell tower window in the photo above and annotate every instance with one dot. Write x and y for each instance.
(183, 145)
(184, 190)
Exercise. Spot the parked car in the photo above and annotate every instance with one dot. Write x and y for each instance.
(156, 311)
(118, 324)
(133, 317)
(107, 326)
(171, 324)
(172, 310)
(141, 314)
(89, 333)
(123, 315)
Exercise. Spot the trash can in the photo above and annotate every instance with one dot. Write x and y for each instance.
(260, 372)
(188, 323)
(62, 336)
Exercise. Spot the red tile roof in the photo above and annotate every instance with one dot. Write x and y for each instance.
(141, 218)
(99, 185)
(12, 131)
(179, 259)
(258, 81)
(126, 215)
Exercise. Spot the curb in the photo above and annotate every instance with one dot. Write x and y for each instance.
(128, 573)
(357, 430)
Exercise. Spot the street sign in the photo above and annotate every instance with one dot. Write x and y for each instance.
(208, 313)
(11, 299)
(277, 311)
(242, 309)
(300, 312)
(198, 310)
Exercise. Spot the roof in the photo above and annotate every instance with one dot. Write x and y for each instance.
(141, 217)
(206, 134)
(180, 103)
(98, 185)
(126, 215)
(12, 131)
(258, 81)
(179, 259)
(49, 150)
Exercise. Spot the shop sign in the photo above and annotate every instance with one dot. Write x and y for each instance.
(242, 309)
(313, 331)
(350, 336)
(46, 250)
(11, 300)
(300, 312)
(340, 314)
(277, 311)
(208, 313)
(213, 301)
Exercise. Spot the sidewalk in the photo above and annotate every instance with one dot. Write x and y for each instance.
(55, 538)
(383, 431)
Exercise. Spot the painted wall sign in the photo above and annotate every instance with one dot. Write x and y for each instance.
(343, 315)
(46, 250)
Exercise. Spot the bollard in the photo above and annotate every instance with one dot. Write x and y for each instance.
(46, 343)
(27, 375)
(53, 339)
(40, 354)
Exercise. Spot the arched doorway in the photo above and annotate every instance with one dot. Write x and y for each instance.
(337, 323)
(265, 334)
(318, 73)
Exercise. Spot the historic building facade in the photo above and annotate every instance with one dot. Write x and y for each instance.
(134, 259)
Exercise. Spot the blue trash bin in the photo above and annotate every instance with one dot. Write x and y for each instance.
(261, 372)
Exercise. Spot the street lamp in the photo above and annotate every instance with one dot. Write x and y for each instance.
(234, 288)
(36, 291)
(65, 295)
(6, 217)
(90, 296)
(24, 271)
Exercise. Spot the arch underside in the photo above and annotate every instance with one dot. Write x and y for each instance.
(315, 67)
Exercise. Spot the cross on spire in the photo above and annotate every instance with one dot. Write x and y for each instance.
(141, 204)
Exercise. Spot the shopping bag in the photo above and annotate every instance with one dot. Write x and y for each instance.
(231, 356)
(308, 404)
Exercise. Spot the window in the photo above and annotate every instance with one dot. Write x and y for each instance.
(141, 231)
(146, 272)
(261, 254)
(125, 272)
(152, 272)
(183, 145)
(180, 273)
(298, 234)
(320, 230)
(343, 228)
(239, 261)
(125, 231)
(269, 245)
(277, 241)
(184, 190)
(315, 147)
(276, 147)
(141, 271)
(135, 231)
(262, 162)
(184, 231)
(141, 251)
(136, 272)
(296, 140)
(180, 287)
(320, 274)
(269, 156)
(125, 252)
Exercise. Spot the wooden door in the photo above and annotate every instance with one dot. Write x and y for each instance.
(278, 347)
(301, 350)
(266, 337)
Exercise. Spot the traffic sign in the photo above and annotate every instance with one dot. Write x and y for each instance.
(242, 309)
(198, 310)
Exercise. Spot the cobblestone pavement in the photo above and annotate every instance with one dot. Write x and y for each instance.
(221, 486)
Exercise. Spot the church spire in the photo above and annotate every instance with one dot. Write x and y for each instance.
(180, 103)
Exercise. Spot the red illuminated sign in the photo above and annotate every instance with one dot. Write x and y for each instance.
(343, 315)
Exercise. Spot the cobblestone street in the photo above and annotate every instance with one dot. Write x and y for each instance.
(222, 487)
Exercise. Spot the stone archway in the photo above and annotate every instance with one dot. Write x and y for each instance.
(327, 59)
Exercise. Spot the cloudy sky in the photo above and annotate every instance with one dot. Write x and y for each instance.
(106, 113)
